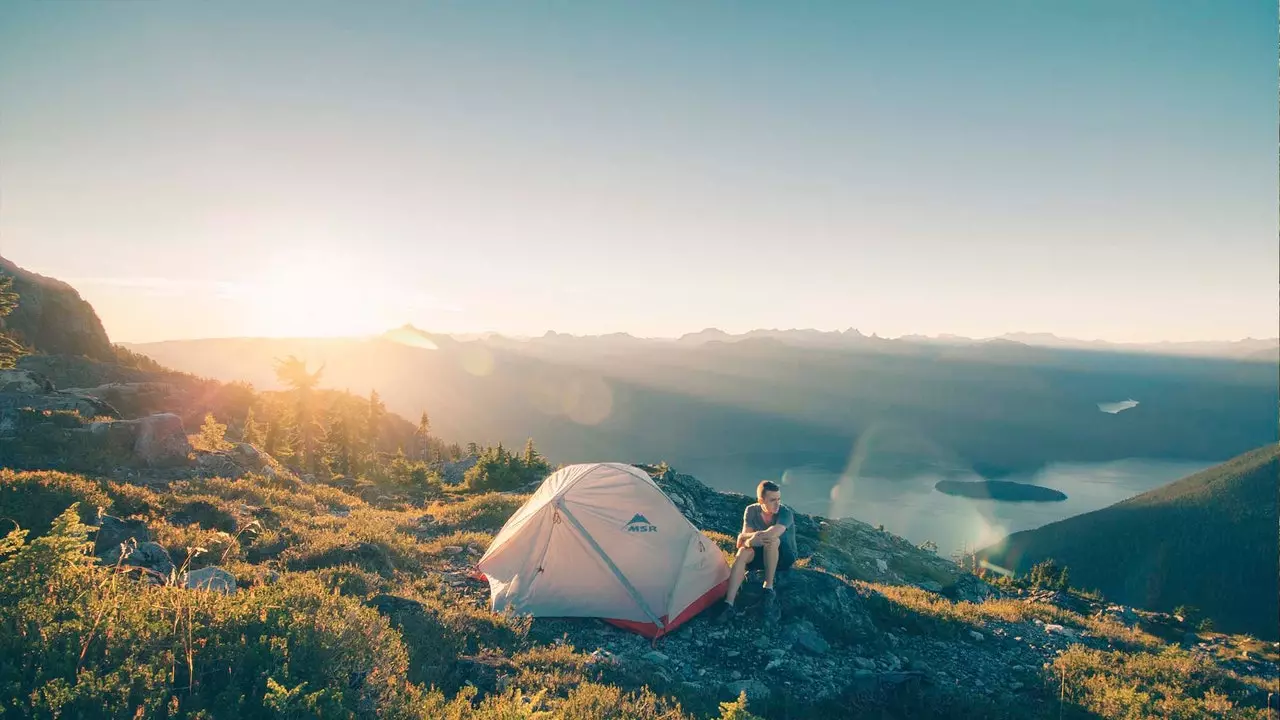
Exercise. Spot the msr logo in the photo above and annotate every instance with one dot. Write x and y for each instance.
(640, 524)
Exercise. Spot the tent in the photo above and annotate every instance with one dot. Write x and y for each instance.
(603, 540)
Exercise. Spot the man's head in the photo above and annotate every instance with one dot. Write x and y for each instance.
(769, 495)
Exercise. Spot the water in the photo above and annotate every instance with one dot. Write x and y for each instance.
(911, 508)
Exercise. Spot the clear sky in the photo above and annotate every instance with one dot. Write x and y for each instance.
(1093, 169)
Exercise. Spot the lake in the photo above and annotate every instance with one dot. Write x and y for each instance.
(909, 506)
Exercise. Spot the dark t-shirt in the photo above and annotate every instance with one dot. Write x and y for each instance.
(753, 521)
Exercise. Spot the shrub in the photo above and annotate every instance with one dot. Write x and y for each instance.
(39, 497)
(1048, 575)
(1170, 684)
(483, 513)
(77, 639)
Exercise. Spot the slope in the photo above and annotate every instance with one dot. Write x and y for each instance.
(1207, 541)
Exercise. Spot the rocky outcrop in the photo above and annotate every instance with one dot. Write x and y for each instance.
(24, 381)
(162, 441)
(52, 317)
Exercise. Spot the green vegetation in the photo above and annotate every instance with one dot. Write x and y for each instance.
(10, 349)
(1171, 683)
(499, 469)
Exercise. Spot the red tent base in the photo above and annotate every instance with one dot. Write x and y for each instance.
(652, 631)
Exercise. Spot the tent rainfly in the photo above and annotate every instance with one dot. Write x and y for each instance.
(603, 540)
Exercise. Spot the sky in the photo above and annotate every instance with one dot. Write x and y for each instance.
(1097, 170)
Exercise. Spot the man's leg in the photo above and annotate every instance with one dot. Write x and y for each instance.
(770, 563)
(739, 572)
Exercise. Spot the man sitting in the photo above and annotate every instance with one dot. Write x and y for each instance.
(768, 542)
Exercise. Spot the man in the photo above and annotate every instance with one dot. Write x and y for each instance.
(767, 542)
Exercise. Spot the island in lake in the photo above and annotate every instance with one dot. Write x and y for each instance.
(999, 490)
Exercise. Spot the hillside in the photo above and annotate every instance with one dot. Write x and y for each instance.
(1207, 541)
(52, 318)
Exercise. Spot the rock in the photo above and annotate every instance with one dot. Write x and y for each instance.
(930, 586)
(250, 456)
(762, 642)
(757, 692)
(162, 442)
(1055, 629)
(882, 565)
(774, 664)
(655, 657)
(212, 578)
(805, 636)
(864, 663)
(342, 512)
(1015, 686)
(827, 602)
(218, 464)
(24, 381)
(112, 532)
(149, 556)
(977, 636)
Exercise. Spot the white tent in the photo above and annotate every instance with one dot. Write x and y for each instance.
(603, 540)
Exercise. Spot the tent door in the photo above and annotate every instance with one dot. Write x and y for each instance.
(626, 584)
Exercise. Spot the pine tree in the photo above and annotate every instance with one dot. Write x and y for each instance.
(293, 372)
(10, 350)
(423, 436)
(252, 432)
(373, 427)
(338, 443)
(212, 435)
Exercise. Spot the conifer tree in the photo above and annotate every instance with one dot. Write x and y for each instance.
(252, 432)
(293, 372)
(10, 350)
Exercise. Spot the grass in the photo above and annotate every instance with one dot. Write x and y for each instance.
(1171, 683)
(340, 615)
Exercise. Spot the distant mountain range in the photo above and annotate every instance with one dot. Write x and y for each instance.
(1209, 541)
(753, 406)
(1248, 349)
(1264, 349)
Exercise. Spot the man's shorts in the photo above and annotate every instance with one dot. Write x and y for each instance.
(785, 558)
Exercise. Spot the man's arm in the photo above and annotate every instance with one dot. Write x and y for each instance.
(745, 537)
(780, 526)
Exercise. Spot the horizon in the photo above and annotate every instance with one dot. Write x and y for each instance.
(482, 334)
(1095, 172)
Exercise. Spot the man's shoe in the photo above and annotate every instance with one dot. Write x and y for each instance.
(769, 606)
(725, 614)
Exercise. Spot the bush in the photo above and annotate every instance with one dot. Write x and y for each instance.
(1170, 684)
(36, 498)
(498, 469)
(1047, 575)
(78, 640)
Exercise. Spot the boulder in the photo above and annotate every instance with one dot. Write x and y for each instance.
(832, 607)
(211, 578)
(24, 381)
(249, 456)
(757, 692)
(162, 441)
(114, 532)
(219, 464)
(806, 637)
(148, 555)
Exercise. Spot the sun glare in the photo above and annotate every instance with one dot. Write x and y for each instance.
(326, 297)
